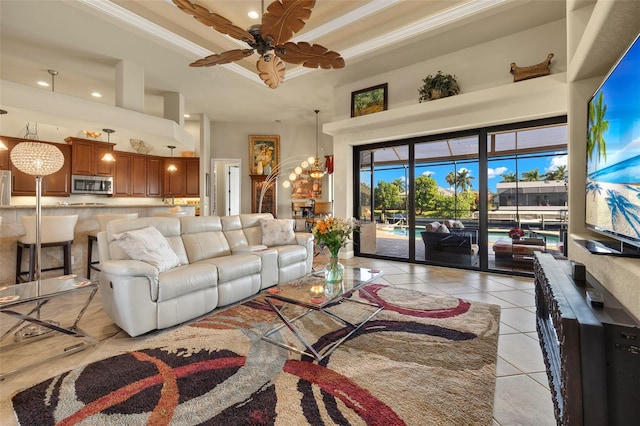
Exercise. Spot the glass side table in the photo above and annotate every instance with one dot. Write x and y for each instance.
(13, 299)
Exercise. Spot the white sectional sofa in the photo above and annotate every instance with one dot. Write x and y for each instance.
(157, 272)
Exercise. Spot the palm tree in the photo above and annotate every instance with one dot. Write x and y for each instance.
(509, 177)
(560, 173)
(531, 175)
(463, 180)
(598, 126)
(621, 207)
(451, 179)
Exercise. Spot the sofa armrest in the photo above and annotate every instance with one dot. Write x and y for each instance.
(129, 268)
(306, 239)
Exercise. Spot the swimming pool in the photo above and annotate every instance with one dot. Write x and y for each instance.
(401, 231)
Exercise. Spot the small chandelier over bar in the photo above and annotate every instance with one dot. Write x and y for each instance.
(108, 157)
(317, 171)
(172, 167)
(3, 147)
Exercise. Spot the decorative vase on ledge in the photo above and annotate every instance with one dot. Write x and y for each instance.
(333, 272)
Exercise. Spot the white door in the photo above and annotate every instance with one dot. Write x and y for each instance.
(233, 190)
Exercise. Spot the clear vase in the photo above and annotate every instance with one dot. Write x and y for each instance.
(333, 273)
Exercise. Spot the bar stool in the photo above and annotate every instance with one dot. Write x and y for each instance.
(92, 236)
(56, 231)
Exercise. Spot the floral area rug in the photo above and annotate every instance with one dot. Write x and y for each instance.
(424, 360)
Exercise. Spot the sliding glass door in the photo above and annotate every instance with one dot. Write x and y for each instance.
(476, 199)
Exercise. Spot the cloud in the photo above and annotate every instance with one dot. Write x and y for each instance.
(560, 160)
(498, 171)
(428, 173)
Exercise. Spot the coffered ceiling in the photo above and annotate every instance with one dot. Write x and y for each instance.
(84, 39)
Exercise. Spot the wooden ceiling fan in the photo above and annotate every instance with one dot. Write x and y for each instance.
(270, 39)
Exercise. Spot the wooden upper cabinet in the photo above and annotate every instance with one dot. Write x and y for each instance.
(130, 175)
(154, 176)
(138, 186)
(122, 174)
(57, 184)
(4, 155)
(192, 177)
(184, 182)
(87, 157)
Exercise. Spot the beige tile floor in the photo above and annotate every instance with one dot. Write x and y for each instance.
(522, 395)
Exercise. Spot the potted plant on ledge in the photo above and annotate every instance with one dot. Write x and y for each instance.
(438, 86)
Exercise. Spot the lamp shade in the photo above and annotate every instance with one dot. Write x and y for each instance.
(37, 158)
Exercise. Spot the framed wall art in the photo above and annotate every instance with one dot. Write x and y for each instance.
(306, 188)
(264, 154)
(369, 100)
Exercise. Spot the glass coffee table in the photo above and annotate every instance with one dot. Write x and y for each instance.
(24, 302)
(312, 294)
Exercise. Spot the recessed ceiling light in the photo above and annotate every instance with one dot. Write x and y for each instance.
(43, 84)
(96, 94)
(253, 14)
(187, 116)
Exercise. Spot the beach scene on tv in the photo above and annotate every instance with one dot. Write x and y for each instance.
(613, 150)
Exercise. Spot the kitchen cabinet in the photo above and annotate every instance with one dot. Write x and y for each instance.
(57, 184)
(87, 157)
(270, 196)
(154, 176)
(185, 181)
(192, 177)
(4, 155)
(129, 175)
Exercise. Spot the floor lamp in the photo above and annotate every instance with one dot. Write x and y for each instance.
(37, 159)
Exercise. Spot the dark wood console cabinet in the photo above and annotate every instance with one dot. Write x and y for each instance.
(592, 354)
(270, 195)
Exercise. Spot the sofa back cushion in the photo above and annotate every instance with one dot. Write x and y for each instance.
(167, 226)
(232, 228)
(203, 238)
(251, 227)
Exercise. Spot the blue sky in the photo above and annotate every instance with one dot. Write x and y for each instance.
(622, 98)
(496, 169)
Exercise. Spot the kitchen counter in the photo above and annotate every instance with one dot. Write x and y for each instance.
(11, 230)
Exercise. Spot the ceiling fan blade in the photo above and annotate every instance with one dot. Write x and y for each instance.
(272, 71)
(310, 56)
(222, 58)
(284, 18)
(213, 20)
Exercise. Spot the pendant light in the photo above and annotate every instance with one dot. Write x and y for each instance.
(172, 167)
(108, 157)
(3, 147)
(317, 171)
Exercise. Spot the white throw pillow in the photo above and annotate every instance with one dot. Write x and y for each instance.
(443, 229)
(457, 224)
(150, 246)
(277, 232)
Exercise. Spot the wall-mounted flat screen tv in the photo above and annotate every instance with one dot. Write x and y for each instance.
(613, 156)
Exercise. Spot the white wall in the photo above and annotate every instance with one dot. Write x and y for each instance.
(231, 140)
(480, 67)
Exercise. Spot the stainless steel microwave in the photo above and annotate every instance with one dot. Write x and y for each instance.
(91, 185)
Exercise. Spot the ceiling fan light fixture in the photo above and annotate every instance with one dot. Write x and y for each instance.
(253, 14)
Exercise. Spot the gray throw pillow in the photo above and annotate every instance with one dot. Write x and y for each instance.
(277, 232)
